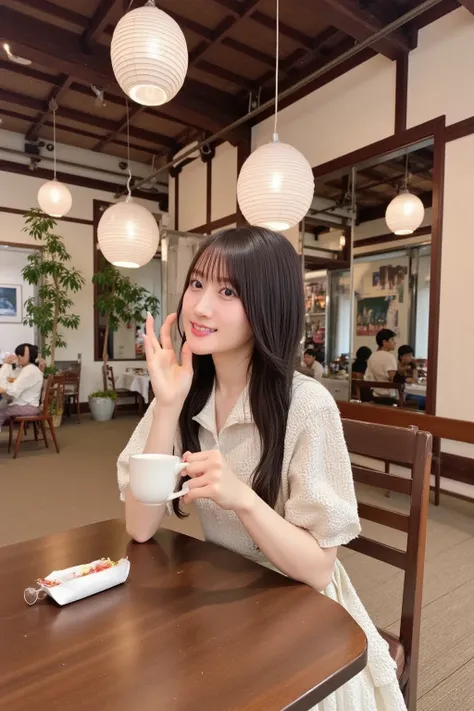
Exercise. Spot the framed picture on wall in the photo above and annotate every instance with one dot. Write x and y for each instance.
(11, 310)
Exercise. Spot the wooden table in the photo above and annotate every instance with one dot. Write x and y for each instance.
(194, 628)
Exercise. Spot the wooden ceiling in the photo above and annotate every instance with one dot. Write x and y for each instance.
(231, 56)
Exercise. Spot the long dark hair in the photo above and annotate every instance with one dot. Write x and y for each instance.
(266, 272)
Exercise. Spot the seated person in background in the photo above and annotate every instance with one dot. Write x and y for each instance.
(382, 366)
(407, 372)
(24, 392)
(313, 360)
(359, 366)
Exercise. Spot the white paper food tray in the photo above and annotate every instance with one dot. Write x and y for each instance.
(73, 589)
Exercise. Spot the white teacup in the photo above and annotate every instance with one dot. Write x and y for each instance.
(153, 478)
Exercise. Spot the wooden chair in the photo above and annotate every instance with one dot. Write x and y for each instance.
(71, 393)
(41, 419)
(369, 385)
(410, 448)
(108, 379)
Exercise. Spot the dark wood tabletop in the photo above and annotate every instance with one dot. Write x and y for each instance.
(195, 628)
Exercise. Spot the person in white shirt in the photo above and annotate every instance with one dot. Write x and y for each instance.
(264, 448)
(312, 360)
(382, 366)
(23, 392)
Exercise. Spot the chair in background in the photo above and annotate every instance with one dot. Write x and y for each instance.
(409, 448)
(108, 379)
(41, 419)
(366, 386)
(71, 393)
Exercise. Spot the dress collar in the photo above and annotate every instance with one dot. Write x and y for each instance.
(240, 414)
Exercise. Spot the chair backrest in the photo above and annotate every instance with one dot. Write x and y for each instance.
(108, 377)
(56, 398)
(72, 377)
(390, 387)
(411, 449)
(46, 394)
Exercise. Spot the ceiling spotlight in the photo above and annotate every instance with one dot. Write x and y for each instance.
(99, 96)
(14, 58)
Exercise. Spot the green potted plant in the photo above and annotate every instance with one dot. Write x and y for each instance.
(50, 270)
(119, 301)
(102, 404)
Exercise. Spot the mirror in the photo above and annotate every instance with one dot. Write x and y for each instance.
(362, 278)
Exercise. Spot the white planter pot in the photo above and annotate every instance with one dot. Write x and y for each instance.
(102, 408)
(57, 419)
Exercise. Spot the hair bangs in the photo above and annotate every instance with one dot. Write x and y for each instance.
(215, 263)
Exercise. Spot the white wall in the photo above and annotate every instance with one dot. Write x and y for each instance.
(12, 262)
(224, 181)
(440, 82)
(192, 196)
(441, 70)
(20, 192)
(355, 109)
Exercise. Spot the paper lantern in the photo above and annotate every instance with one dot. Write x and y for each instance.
(54, 198)
(275, 186)
(128, 235)
(149, 55)
(405, 213)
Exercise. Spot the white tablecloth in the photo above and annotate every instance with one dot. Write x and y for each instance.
(134, 383)
(415, 389)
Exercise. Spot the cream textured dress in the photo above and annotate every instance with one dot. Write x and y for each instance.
(317, 495)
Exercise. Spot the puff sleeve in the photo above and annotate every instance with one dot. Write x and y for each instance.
(321, 489)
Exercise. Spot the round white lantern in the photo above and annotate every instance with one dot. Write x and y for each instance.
(275, 186)
(54, 198)
(405, 213)
(128, 235)
(149, 55)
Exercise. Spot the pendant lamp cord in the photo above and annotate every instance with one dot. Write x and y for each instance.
(277, 69)
(54, 106)
(406, 172)
(129, 181)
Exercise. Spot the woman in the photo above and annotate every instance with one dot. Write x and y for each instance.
(266, 459)
(24, 391)
(359, 366)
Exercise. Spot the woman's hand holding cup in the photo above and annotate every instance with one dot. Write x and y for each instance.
(171, 381)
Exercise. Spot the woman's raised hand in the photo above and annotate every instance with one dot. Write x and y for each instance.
(170, 380)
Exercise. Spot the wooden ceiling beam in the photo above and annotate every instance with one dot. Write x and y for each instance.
(228, 24)
(235, 9)
(62, 13)
(100, 20)
(120, 127)
(116, 98)
(285, 30)
(55, 48)
(56, 93)
(40, 106)
(251, 52)
(60, 126)
(301, 57)
(348, 17)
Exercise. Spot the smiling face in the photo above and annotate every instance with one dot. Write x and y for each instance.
(213, 315)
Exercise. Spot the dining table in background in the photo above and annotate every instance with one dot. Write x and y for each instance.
(135, 383)
(194, 627)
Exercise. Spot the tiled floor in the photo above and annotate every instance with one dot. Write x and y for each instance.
(42, 492)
